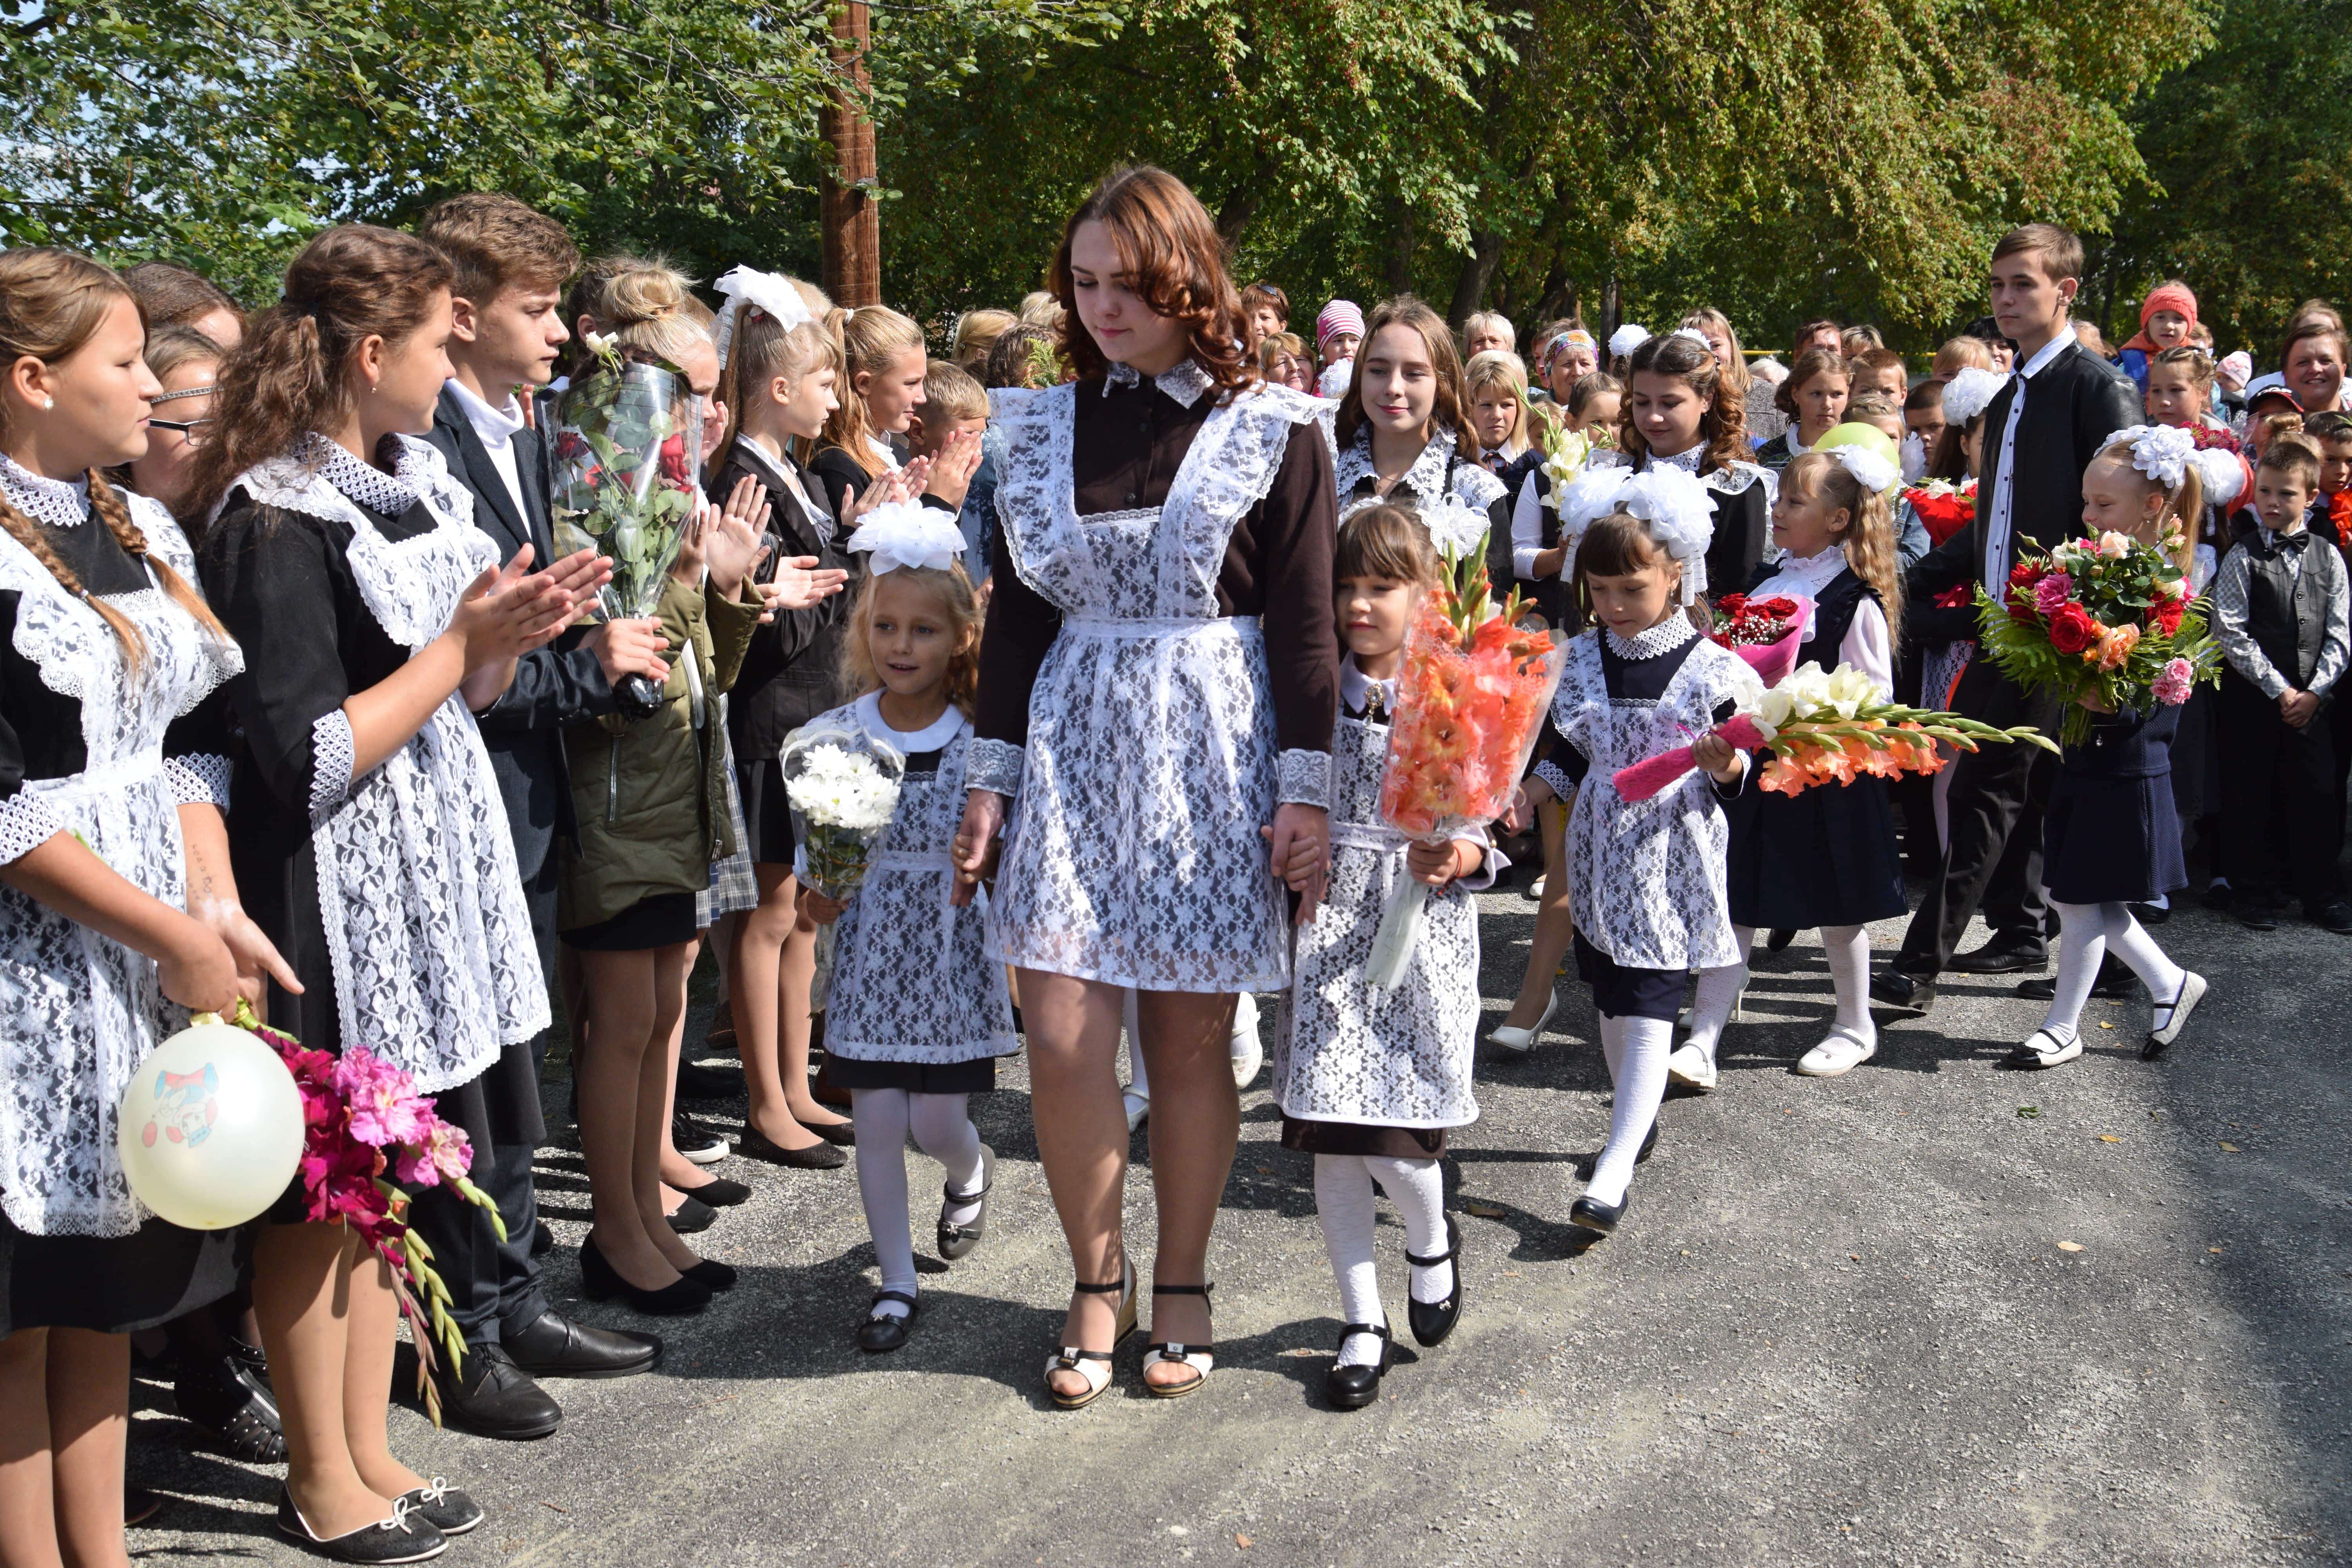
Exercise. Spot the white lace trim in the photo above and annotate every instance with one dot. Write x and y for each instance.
(994, 766)
(1663, 638)
(390, 494)
(61, 503)
(1687, 462)
(1303, 778)
(1186, 383)
(201, 779)
(26, 824)
(1552, 774)
(333, 753)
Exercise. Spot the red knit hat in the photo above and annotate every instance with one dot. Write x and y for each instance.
(2173, 297)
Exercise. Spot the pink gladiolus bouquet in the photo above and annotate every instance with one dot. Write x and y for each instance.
(361, 1117)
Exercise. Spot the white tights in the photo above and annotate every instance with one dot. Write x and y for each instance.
(1343, 1203)
(943, 1129)
(1637, 1049)
(1848, 950)
(2088, 932)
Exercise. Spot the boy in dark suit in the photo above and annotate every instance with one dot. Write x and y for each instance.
(2040, 432)
(507, 327)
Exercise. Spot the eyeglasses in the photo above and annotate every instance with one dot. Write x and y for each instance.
(192, 431)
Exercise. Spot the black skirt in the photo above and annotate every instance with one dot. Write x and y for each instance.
(1361, 1138)
(113, 1284)
(2197, 757)
(1621, 991)
(767, 815)
(657, 919)
(1826, 858)
(975, 1077)
(2110, 838)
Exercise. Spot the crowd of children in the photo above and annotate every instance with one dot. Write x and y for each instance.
(303, 707)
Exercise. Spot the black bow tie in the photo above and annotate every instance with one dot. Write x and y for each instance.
(2295, 541)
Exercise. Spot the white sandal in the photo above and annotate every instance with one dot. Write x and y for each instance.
(1094, 1365)
(1202, 1358)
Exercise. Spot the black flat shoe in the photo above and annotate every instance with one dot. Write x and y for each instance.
(2150, 914)
(1354, 1387)
(840, 1135)
(882, 1333)
(712, 1275)
(957, 1240)
(233, 1403)
(819, 1156)
(602, 1281)
(402, 1538)
(1904, 992)
(693, 1214)
(489, 1395)
(1589, 1213)
(718, 1192)
(2257, 916)
(553, 1345)
(2002, 955)
(698, 1082)
(1779, 939)
(443, 1506)
(140, 1505)
(1641, 1157)
(2115, 982)
(1432, 1321)
(2217, 896)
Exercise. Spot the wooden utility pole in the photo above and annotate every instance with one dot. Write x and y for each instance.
(853, 223)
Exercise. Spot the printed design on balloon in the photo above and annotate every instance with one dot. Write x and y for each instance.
(186, 1106)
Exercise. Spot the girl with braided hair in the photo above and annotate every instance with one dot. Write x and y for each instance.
(115, 893)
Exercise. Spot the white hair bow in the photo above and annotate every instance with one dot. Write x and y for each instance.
(1626, 339)
(908, 533)
(2223, 475)
(768, 292)
(1870, 471)
(2162, 452)
(1453, 526)
(1695, 335)
(1680, 516)
(1970, 394)
(1591, 495)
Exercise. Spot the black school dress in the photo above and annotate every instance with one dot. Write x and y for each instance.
(1828, 856)
(2112, 833)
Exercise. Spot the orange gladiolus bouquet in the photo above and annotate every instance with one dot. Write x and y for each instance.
(1471, 697)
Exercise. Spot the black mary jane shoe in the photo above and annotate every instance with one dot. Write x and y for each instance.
(958, 1240)
(711, 1274)
(2115, 982)
(442, 1506)
(820, 1155)
(1601, 1220)
(601, 1280)
(882, 1333)
(1354, 1387)
(405, 1537)
(1432, 1321)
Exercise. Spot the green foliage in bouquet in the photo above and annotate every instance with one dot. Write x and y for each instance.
(626, 443)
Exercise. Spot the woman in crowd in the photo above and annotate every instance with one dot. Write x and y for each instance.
(184, 364)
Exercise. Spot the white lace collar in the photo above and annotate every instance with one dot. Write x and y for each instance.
(1356, 688)
(61, 503)
(930, 738)
(1425, 477)
(1688, 462)
(388, 494)
(1186, 382)
(1813, 571)
(1663, 638)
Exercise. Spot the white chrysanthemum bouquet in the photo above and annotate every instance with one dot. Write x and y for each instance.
(843, 785)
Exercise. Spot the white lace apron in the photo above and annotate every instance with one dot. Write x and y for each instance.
(1344, 1052)
(1646, 878)
(435, 968)
(910, 983)
(1133, 855)
(79, 1011)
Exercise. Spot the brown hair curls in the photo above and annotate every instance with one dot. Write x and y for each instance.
(1723, 425)
(1453, 394)
(1175, 260)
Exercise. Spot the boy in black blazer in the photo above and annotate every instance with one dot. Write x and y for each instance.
(508, 325)
(2040, 432)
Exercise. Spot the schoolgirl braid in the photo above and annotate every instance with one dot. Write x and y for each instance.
(24, 531)
(109, 505)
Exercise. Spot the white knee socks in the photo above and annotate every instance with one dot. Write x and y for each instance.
(1848, 948)
(1637, 1066)
(1417, 1188)
(1717, 994)
(1343, 1206)
(2088, 932)
(2128, 940)
(883, 1118)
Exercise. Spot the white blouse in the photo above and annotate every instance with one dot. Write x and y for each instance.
(1865, 645)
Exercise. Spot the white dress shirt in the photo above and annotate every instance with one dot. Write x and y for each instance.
(1999, 520)
(498, 428)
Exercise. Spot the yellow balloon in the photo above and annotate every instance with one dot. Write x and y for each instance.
(210, 1129)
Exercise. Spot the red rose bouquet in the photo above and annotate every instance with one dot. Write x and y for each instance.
(2105, 623)
(1944, 508)
(1742, 622)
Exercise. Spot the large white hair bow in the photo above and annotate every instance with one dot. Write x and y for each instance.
(1970, 394)
(2162, 452)
(1591, 495)
(2221, 473)
(1680, 516)
(1626, 339)
(1870, 471)
(908, 533)
(765, 290)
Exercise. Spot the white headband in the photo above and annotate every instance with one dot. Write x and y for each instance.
(763, 290)
(1969, 393)
(1680, 516)
(908, 533)
(1695, 335)
(1626, 339)
(1869, 469)
(2162, 452)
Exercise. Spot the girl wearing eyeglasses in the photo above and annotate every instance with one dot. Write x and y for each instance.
(185, 362)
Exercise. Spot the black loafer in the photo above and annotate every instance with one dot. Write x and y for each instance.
(553, 1345)
(882, 1333)
(692, 1216)
(491, 1396)
(958, 1240)
(1913, 993)
(443, 1506)
(1432, 1321)
(1590, 1214)
(819, 1156)
(697, 1082)
(402, 1538)
(2002, 955)
(718, 1192)
(1354, 1387)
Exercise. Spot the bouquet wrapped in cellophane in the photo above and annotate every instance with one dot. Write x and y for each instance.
(1826, 727)
(2106, 622)
(843, 786)
(1471, 697)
